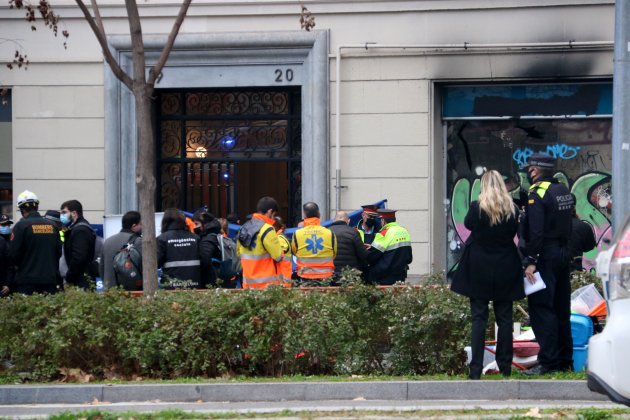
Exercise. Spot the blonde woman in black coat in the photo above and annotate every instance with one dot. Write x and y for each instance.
(490, 269)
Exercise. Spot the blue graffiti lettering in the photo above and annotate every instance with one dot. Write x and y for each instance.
(558, 151)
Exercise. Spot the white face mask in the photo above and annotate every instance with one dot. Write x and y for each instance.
(5, 230)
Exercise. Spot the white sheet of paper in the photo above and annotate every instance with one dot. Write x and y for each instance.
(533, 288)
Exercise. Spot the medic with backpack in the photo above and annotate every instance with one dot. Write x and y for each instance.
(219, 263)
(259, 247)
(121, 259)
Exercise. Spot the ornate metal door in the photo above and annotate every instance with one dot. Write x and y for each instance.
(212, 143)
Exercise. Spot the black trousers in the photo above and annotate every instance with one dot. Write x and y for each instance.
(503, 315)
(550, 312)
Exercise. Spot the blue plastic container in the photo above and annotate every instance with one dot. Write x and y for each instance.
(580, 355)
(581, 329)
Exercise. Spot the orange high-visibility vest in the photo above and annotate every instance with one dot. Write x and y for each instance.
(315, 248)
(285, 266)
(259, 260)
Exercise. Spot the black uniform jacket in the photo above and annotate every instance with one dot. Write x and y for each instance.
(547, 219)
(208, 250)
(78, 249)
(35, 249)
(5, 262)
(490, 267)
(582, 240)
(389, 267)
(178, 256)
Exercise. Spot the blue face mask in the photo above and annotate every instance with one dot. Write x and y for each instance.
(5, 230)
(65, 219)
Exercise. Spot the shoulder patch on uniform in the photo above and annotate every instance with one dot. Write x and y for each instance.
(383, 232)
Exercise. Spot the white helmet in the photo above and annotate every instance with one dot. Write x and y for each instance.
(27, 197)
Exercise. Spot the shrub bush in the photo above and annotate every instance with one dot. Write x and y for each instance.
(353, 329)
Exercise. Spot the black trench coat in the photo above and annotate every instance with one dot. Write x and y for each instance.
(490, 267)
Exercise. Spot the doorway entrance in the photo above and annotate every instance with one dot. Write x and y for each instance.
(223, 149)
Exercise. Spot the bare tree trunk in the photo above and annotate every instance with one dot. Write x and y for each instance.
(145, 180)
(145, 172)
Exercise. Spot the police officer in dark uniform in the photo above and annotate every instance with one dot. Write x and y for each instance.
(390, 254)
(369, 225)
(35, 249)
(547, 231)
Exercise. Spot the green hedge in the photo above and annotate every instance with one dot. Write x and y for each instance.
(350, 330)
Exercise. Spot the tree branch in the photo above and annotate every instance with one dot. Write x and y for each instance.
(157, 69)
(109, 58)
(97, 17)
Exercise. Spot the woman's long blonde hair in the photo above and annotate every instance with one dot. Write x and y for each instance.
(494, 199)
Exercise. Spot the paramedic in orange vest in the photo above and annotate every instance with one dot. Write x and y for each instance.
(285, 266)
(314, 247)
(258, 246)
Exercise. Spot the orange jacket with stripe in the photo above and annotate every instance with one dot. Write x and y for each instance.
(259, 258)
(315, 248)
(285, 266)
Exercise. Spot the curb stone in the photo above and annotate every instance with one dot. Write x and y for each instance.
(301, 391)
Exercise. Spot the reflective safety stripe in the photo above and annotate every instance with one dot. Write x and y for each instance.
(313, 260)
(314, 270)
(255, 256)
(397, 245)
(378, 246)
(189, 263)
(261, 280)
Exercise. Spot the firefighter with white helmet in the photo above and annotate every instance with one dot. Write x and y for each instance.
(35, 249)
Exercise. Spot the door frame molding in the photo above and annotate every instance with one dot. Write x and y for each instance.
(201, 54)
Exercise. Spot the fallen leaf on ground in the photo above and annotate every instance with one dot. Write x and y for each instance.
(534, 412)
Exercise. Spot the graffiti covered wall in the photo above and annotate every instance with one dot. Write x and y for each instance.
(584, 163)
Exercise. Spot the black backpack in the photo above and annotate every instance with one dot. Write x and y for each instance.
(230, 264)
(128, 266)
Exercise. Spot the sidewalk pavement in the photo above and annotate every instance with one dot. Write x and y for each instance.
(492, 390)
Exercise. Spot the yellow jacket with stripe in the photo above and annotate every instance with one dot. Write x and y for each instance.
(315, 248)
(259, 250)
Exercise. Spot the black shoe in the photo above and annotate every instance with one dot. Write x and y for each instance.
(566, 368)
(506, 373)
(474, 374)
(539, 370)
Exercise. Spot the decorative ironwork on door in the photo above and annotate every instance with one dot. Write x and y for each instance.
(206, 136)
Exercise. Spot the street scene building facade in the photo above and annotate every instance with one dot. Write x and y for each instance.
(407, 101)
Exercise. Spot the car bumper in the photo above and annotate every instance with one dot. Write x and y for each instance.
(608, 356)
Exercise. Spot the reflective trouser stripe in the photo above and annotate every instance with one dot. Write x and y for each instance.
(255, 256)
(259, 283)
(315, 272)
(189, 263)
(284, 271)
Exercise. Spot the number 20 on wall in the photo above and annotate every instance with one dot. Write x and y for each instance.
(282, 76)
